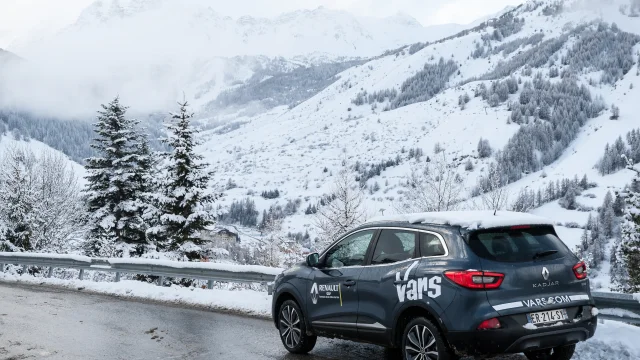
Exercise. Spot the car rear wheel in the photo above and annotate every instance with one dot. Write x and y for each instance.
(558, 353)
(293, 330)
(422, 341)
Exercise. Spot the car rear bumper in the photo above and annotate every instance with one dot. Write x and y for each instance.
(519, 339)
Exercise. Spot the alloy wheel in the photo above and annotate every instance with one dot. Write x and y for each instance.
(421, 344)
(290, 327)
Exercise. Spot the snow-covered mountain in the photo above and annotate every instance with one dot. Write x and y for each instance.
(540, 84)
(152, 51)
(577, 59)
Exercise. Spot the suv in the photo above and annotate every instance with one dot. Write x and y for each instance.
(441, 286)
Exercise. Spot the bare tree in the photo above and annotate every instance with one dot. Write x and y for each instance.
(40, 204)
(435, 186)
(525, 201)
(344, 211)
(492, 187)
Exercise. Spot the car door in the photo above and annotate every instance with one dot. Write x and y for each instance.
(333, 296)
(383, 282)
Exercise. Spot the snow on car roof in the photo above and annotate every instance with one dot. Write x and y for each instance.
(468, 219)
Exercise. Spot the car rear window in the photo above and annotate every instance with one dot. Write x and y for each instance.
(517, 244)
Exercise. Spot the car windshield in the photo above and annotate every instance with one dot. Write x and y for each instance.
(517, 244)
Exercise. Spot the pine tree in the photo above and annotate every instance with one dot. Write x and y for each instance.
(584, 240)
(631, 238)
(116, 181)
(606, 216)
(584, 183)
(18, 202)
(569, 200)
(185, 186)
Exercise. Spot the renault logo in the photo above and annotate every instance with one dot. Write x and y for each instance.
(314, 293)
(545, 273)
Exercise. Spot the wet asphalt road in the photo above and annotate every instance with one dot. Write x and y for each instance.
(50, 323)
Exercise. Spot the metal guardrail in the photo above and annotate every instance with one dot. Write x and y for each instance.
(613, 306)
(161, 268)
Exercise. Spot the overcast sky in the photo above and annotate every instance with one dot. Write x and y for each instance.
(24, 14)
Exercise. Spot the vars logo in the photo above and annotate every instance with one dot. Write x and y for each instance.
(314, 293)
(413, 290)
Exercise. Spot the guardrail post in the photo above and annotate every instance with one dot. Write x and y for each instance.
(50, 272)
(81, 274)
(160, 280)
(24, 269)
(118, 277)
(1, 267)
(210, 284)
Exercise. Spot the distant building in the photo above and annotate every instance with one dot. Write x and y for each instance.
(220, 235)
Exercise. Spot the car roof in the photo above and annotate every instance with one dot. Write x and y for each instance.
(468, 220)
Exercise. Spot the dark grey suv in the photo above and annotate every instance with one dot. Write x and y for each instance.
(441, 286)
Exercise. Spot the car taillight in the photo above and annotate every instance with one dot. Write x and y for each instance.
(580, 270)
(490, 324)
(476, 279)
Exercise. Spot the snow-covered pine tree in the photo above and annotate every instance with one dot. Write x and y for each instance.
(145, 178)
(568, 201)
(630, 246)
(606, 216)
(116, 181)
(185, 192)
(18, 201)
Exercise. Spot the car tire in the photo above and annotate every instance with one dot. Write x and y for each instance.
(421, 336)
(293, 329)
(558, 353)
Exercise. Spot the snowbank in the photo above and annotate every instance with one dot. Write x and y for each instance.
(468, 219)
(619, 312)
(244, 301)
(613, 340)
(198, 265)
(79, 258)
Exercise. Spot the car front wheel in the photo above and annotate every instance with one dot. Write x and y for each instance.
(422, 341)
(558, 353)
(293, 331)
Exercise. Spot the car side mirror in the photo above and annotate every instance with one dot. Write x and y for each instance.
(313, 260)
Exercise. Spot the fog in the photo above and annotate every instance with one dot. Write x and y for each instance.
(151, 53)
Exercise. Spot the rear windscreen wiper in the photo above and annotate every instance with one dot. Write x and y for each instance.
(542, 254)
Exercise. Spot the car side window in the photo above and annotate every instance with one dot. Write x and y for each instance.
(394, 246)
(430, 245)
(350, 251)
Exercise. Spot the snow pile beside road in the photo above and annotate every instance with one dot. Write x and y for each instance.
(613, 340)
(245, 301)
(199, 265)
(78, 258)
(619, 312)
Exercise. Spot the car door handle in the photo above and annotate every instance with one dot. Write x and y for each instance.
(348, 283)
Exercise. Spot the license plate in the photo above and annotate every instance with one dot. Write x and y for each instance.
(547, 317)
